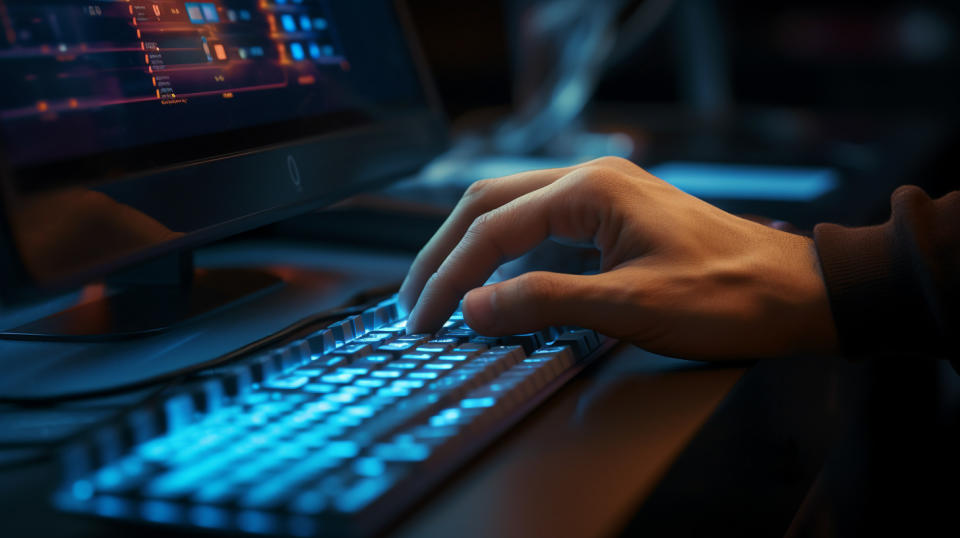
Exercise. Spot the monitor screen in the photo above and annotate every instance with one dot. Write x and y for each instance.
(184, 117)
(81, 78)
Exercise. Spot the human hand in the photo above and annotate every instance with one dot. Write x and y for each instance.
(679, 276)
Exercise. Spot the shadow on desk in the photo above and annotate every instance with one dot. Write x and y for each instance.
(823, 449)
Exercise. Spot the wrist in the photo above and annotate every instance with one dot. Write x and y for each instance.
(817, 332)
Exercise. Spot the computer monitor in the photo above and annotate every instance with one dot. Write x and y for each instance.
(134, 129)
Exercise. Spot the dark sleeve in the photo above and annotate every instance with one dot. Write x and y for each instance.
(895, 288)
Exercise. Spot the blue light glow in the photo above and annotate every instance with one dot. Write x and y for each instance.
(748, 182)
(369, 467)
(288, 23)
(83, 490)
(373, 383)
(255, 522)
(160, 511)
(475, 403)
(201, 12)
(363, 411)
(341, 449)
(292, 382)
(209, 516)
(210, 12)
(110, 506)
(446, 417)
(296, 50)
(362, 493)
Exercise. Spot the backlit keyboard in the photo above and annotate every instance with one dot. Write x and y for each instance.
(334, 434)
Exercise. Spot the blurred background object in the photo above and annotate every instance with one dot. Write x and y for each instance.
(747, 105)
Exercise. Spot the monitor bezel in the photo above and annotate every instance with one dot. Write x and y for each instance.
(372, 155)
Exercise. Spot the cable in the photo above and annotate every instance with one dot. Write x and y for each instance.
(358, 303)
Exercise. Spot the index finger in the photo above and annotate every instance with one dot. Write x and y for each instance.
(481, 197)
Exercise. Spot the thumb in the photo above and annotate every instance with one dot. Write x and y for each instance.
(536, 300)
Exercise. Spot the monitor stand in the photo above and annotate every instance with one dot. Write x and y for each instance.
(150, 299)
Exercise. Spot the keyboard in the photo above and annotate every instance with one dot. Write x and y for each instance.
(334, 434)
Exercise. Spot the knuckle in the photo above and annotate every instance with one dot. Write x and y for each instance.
(617, 163)
(537, 286)
(478, 227)
(593, 182)
(581, 178)
(476, 191)
(482, 222)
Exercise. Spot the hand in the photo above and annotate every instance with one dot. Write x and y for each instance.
(679, 276)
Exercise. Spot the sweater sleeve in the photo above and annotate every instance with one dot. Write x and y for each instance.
(894, 289)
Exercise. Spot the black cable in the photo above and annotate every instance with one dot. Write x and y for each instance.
(358, 303)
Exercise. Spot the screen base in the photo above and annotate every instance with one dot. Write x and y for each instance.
(144, 309)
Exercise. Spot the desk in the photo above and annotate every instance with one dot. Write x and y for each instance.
(580, 465)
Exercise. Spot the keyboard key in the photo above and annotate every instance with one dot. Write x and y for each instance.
(470, 347)
(342, 331)
(393, 392)
(370, 318)
(417, 338)
(370, 383)
(310, 371)
(577, 341)
(366, 365)
(443, 342)
(397, 348)
(353, 351)
(352, 370)
(401, 452)
(321, 342)
(454, 357)
(402, 365)
(407, 384)
(529, 342)
(287, 383)
(320, 388)
(489, 341)
(417, 357)
(356, 390)
(338, 378)
(433, 348)
(362, 493)
(459, 334)
(264, 367)
(373, 338)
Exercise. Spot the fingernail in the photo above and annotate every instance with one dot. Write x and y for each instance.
(478, 307)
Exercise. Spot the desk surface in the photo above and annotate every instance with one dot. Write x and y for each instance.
(579, 465)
